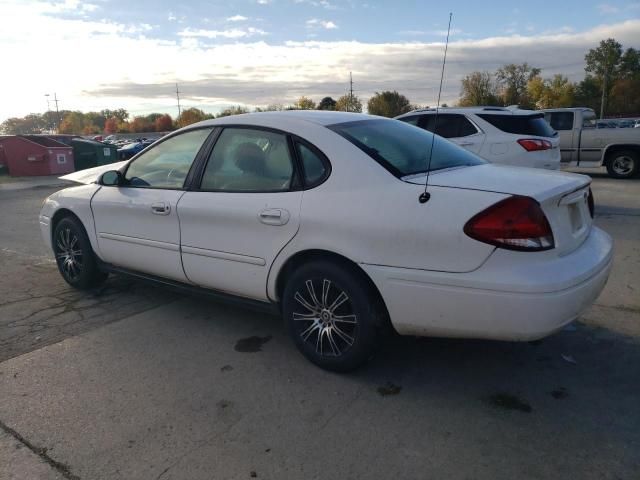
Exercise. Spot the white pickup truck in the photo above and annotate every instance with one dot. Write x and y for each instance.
(583, 144)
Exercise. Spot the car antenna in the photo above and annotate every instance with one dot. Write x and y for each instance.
(425, 196)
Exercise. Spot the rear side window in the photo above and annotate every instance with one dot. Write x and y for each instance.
(560, 120)
(411, 120)
(520, 124)
(449, 125)
(403, 149)
(315, 170)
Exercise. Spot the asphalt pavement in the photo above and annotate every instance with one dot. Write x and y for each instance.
(133, 381)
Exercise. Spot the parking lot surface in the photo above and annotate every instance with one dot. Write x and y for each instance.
(135, 381)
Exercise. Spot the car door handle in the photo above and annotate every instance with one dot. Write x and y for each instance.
(274, 216)
(160, 208)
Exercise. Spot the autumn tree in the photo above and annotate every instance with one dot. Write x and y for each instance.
(327, 103)
(512, 81)
(237, 110)
(349, 103)
(304, 103)
(603, 62)
(388, 104)
(163, 123)
(111, 125)
(556, 92)
(478, 88)
(121, 114)
(140, 124)
(72, 123)
(191, 115)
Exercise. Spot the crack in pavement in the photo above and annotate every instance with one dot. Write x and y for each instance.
(41, 452)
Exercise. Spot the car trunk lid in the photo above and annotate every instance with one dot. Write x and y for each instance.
(562, 196)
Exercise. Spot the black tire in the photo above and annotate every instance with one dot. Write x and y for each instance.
(74, 256)
(340, 329)
(623, 164)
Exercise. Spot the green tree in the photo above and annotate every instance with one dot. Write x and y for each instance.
(121, 114)
(551, 93)
(304, 103)
(604, 63)
(349, 103)
(512, 81)
(478, 88)
(388, 104)
(327, 103)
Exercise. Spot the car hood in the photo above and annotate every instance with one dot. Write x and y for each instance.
(91, 175)
(532, 182)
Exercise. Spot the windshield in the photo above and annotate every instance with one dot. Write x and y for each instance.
(402, 148)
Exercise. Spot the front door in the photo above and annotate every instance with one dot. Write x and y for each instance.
(137, 223)
(245, 212)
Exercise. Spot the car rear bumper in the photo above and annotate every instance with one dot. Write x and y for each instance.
(513, 296)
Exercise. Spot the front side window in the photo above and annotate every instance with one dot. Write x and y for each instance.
(249, 160)
(167, 164)
(403, 149)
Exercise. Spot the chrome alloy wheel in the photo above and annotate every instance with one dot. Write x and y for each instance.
(69, 254)
(622, 165)
(326, 322)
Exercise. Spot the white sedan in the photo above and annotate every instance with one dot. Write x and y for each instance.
(322, 216)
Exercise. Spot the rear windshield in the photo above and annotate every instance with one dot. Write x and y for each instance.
(402, 148)
(520, 124)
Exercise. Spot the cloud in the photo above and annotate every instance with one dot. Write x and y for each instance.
(230, 33)
(319, 3)
(237, 18)
(231, 66)
(607, 8)
(316, 23)
(263, 2)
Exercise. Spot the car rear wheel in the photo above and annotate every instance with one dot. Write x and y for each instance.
(74, 256)
(623, 164)
(332, 315)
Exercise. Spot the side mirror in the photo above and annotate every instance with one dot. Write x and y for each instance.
(112, 178)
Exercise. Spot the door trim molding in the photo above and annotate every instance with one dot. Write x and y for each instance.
(234, 257)
(140, 241)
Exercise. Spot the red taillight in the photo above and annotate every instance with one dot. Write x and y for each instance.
(591, 203)
(534, 144)
(516, 223)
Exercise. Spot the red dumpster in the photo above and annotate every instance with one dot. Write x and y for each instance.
(29, 155)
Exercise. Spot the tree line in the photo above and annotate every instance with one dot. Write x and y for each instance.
(611, 86)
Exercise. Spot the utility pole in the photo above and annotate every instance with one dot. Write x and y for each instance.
(178, 98)
(350, 92)
(55, 99)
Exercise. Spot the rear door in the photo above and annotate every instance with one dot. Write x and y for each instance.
(137, 223)
(243, 212)
(456, 128)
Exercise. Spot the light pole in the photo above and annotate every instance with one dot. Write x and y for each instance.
(48, 109)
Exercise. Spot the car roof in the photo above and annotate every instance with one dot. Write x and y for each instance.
(473, 110)
(318, 117)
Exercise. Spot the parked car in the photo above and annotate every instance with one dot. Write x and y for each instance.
(584, 145)
(499, 135)
(606, 124)
(132, 148)
(626, 123)
(323, 217)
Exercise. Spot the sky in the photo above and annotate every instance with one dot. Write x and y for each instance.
(98, 54)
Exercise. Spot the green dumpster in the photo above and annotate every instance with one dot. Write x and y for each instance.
(89, 153)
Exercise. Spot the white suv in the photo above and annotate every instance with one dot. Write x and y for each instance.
(499, 135)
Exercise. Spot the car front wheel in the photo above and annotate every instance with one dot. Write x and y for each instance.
(332, 315)
(74, 255)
